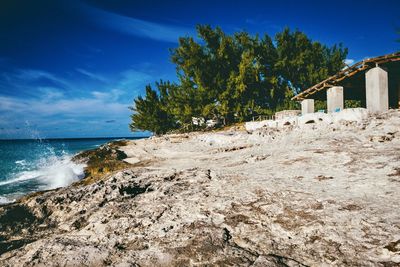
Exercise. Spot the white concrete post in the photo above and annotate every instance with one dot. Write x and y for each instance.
(334, 97)
(398, 95)
(307, 106)
(377, 90)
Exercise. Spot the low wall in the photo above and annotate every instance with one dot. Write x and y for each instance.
(351, 114)
(287, 114)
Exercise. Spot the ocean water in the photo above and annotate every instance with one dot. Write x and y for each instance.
(28, 166)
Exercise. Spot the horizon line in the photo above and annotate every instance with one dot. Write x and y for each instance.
(73, 138)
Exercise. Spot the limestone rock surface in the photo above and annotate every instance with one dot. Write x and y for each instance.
(319, 195)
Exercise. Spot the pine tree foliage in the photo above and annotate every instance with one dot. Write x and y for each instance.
(151, 112)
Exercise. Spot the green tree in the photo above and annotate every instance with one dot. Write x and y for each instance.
(230, 75)
(204, 69)
(303, 62)
(151, 112)
(235, 77)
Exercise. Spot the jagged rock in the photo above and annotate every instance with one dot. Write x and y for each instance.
(308, 196)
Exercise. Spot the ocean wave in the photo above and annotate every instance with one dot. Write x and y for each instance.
(20, 162)
(4, 200)
(49, 173)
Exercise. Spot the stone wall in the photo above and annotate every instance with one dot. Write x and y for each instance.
(286, 114)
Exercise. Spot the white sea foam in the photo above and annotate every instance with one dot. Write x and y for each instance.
(21, 162)
(51, 172)
(4, 200)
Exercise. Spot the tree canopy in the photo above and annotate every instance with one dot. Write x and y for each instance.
(234, 77)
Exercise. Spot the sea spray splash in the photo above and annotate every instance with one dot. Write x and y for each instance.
(32, 165)
(48, 173)
(59, 171)
(4, 200)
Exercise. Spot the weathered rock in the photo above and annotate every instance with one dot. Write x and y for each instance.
(315, 196)
(102, 161)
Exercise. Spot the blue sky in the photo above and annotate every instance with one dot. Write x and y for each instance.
(72, 68)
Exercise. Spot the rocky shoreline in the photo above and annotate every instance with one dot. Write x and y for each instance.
(320, 195)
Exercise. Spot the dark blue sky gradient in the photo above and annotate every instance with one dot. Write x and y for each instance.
(72, 68)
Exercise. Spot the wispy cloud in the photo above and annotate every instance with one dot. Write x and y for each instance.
(48, 102)
(112, 95)
(50, 93)
(30, 75)
(61, 117)
(263, 23)
(137, 27)
(134, 80)
(96, 106)
(349, 61)
(91, 75)
(31, 82)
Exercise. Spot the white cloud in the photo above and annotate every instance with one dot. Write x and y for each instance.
(29, 75)
(98, 106)
(61, 117)
(62, 105)
(91, 75)
(49, 101)
(349, 61)
(9, 104)
(137, 27)
(50, 93)
(134, 80)
(112, 95)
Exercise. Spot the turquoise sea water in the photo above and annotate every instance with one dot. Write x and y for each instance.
(32, 165)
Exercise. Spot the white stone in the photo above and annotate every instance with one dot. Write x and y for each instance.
(398, 95)
(287, 114)
(307, 106)
(334, 96)
(211, 123)
(377, 90)
(253, 125)
(198, 121)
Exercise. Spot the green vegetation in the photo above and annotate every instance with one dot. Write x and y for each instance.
(352, 103)
(102, 161)
(322, 105)
(232, 78)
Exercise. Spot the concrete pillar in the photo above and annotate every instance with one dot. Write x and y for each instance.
(377, 90)
(398, 95)
(307, 106)
(334, 97)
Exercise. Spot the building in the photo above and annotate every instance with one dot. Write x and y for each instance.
(375, 82)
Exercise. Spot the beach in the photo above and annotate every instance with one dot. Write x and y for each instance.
(318, 195)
